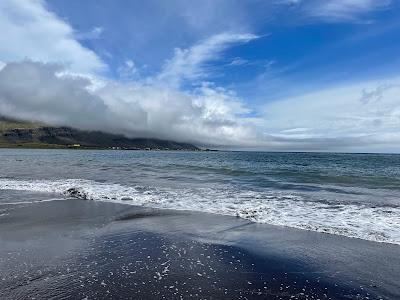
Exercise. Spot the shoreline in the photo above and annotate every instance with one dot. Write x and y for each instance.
(64, 147)
(96, 190)
(70, 239)
(283, 227)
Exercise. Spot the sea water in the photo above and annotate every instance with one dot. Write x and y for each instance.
(355, 195)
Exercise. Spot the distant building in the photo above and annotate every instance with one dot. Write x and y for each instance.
(74, 146)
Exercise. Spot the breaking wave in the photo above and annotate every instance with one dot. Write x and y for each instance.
(369, 222)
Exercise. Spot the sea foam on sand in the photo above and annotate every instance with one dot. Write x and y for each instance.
(374, 223)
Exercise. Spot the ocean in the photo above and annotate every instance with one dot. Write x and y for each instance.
(354, 195)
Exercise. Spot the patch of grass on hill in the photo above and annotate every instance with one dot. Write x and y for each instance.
(7, 124)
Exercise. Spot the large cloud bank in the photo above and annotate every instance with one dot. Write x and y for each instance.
(44, 92)
(361, 117)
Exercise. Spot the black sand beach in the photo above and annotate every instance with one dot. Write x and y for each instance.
(76, 249)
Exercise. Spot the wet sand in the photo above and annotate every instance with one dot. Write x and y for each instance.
(76, 249)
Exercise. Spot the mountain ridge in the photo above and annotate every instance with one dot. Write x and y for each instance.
(25, 134)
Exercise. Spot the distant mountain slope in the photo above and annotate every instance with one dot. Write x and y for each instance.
(36, 135)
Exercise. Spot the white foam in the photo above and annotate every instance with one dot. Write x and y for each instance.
(381, 224)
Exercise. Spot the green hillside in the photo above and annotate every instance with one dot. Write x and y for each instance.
(22, 134)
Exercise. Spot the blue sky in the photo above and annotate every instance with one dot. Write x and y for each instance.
(318, 75)
(301, 48)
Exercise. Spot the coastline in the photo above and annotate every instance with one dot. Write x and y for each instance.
(77, 248)
(66, 147)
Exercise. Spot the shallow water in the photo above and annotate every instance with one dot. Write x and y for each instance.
(355, 195)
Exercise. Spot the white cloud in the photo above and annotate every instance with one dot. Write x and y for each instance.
(337, 10)
(34, 91)
(93, 34)
(339, 115)
(128, 71)
(342, 10)
(42, 92)
(377, 93)
(189, 64)
(29, 30)
(238, 61)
